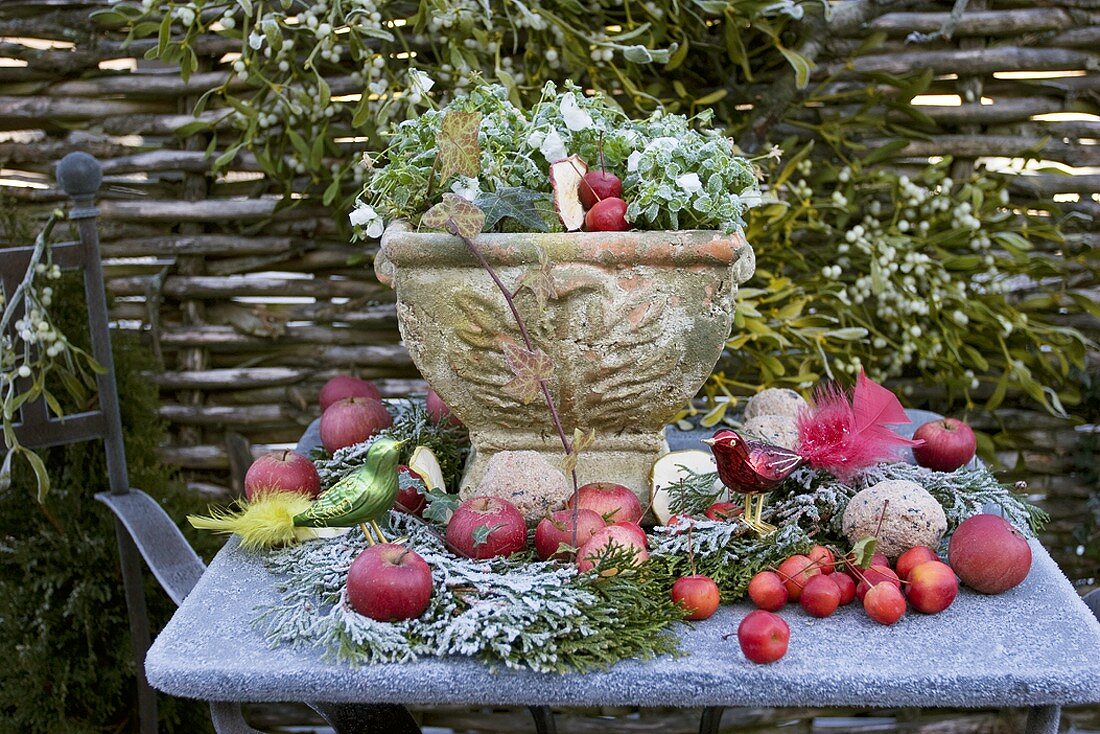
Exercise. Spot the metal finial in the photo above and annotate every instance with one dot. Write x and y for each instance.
(79, 174)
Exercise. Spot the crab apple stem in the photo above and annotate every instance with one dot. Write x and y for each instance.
(881, 518)
(599, 155)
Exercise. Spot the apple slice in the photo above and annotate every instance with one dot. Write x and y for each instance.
(667, 471)
(565, 178)
(424, 463)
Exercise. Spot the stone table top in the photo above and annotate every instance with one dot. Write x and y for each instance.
(1037, 644)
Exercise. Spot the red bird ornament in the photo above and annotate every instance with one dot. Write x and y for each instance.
(835, 435)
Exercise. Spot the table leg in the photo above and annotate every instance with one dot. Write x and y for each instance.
(711, 718)
(1043, 719)
(544, 720)
(367, 718)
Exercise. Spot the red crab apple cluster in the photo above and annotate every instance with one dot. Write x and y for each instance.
(601, 195)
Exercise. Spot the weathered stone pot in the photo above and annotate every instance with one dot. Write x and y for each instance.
(635, 323)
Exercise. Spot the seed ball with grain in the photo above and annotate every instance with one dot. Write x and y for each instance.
(913, 517)
(774, 401)
(778, 430)
(527, 480)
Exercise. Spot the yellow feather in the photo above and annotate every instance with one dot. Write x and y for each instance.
(266, 521)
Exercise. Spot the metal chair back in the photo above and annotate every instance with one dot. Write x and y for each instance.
(80, 175)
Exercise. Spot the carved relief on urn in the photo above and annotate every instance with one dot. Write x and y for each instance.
(634, 322)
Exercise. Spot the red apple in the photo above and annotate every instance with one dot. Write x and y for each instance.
(598, 185)
(389, 582)
(346, 386)
(912, 558)
(352, 420)
(608, 215)
(613, 502)
(948, 444)
(795, 572)
(988, 554)
(724, 511)
(604, 540)
(877, 559)
(439, 411)
(847, 587)
(409, 497)
(767, 591)
(932, 587)
(635, 528)
(884, 603)
(876, 575)
(820, 596)
(282, 471)
(698, 594)
(554, 531)
(485, 527)
(824, 559)
(763, 636)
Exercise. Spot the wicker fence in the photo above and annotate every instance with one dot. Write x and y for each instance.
(251, 306)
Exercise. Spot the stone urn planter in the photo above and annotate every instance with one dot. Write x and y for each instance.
(634, 322)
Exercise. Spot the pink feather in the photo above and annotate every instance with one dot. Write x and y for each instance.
(843, 437)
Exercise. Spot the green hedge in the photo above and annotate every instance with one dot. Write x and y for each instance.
(68, 666)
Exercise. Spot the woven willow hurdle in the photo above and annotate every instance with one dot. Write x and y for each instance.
(251, 308)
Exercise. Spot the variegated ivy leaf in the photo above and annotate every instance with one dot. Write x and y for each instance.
(455, 215)
(581, 442)
(482, 532)
(513, 202)
(864, 551)
(529, 368)
(459, 152)
(540, 281)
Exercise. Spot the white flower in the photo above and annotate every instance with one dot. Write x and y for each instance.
(466, 187)
(255, 41)
(775, 152)
(420, 82)
(366, 217)
(553, 147)
(576, 119)
(689, 182)
(751, 197)
(632, 161)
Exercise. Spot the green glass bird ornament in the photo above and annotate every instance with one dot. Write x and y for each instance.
(361, 498)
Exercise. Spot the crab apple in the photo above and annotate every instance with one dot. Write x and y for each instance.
(912, 558)
(439, 411)
(724, 511)
(824, 559)
(875, 575)
(767, 591)
(948, 444)
(608, 215)
(932, 587)
(409, 498)
(988, 554)
(557, 529)
(389, 582)
(599, 185)
(612, 537)
(847, 587)
(820, 596)
(485, 527)
(763, 636)
(613, 502)
(282, 471)
(795, 572)
(346, 386)
(698, 594)
(877, 559)
(352, 420)
(884, 603)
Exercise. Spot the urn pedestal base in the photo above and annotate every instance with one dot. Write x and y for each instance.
(625, 459)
